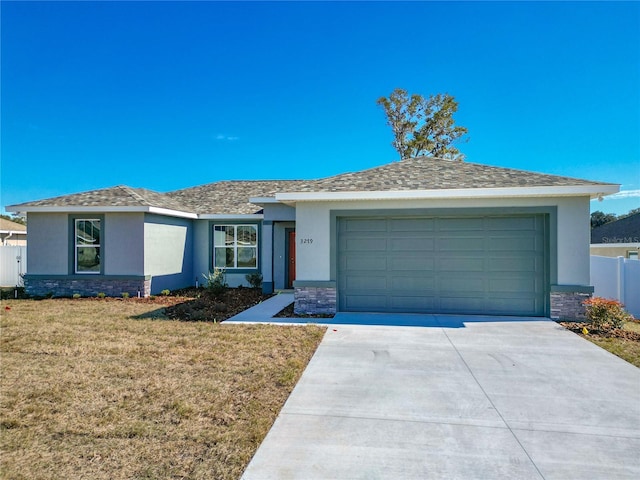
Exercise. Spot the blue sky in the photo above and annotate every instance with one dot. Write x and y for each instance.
(166, 95)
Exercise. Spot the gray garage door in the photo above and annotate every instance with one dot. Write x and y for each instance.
(469, 265)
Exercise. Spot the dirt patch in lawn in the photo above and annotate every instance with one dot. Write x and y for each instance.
(93, 389)
(623, 342)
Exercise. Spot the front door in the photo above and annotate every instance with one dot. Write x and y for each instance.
(291, 258)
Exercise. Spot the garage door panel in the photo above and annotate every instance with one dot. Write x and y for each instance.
(418, 285)
(365, 244)
(363, 225)
(365, 303)
(410, 225)
(520, 224)
(416, 264)
(412, 245)
(366, 263)
(518, 285)
(461, 304)
(466, 284)
(462, 244)
(519, 244)
(366, 282)
(461, 264)
(463, 223)
(472, 265)
(411, 304)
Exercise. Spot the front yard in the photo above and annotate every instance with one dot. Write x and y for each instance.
(113, 388)
(108, 389)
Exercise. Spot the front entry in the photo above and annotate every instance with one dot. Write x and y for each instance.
(291, 258)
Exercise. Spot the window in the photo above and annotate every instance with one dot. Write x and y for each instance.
(235, 246)
(87, 245)
(633, 254)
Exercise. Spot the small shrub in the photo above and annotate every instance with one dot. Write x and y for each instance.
(76, 296)
(216, 281)
(101, 295)
(254, 279)
(125, 295)
(165, 292)
(606, 314)
(152, 297)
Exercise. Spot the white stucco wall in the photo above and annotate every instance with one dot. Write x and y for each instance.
(48, 248)
(313, 231)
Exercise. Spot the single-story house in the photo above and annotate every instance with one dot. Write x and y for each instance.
(620, 238)
(418, 235)
(12, 233)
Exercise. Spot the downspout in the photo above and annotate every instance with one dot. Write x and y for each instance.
(4, 242)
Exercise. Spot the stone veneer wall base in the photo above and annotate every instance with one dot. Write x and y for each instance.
(86, 287)
(569, 306)
(315, 301)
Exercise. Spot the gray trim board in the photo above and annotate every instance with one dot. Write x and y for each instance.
(314, 284)
(572, 289)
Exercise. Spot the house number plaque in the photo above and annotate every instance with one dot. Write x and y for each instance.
(306, 241)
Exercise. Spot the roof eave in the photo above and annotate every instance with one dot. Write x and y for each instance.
(99, 209)
(231, 216)
(593, 191)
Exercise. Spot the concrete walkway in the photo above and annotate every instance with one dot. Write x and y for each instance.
(468, 399)
(264, 311)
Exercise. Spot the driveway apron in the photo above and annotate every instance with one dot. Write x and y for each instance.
(463, 398)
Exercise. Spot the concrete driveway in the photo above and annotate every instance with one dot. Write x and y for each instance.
(464, 398)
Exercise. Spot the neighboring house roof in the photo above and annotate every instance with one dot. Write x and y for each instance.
(7, 226)
(624, 230)
(428, 173)
(232, 196)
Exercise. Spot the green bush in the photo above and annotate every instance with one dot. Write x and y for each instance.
(101, 295)
(76, 295)
(254, 279)
(216, 281)
(165, 292)
(125, 295)
(605, 314)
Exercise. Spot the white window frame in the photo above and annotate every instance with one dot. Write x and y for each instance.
(77, 245)
(235, 245)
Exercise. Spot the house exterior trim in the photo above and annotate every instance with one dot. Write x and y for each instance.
(103, 209)
(594, 191)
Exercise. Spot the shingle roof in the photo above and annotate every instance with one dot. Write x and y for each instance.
(428, 173)
(625, 230)
(232, 197)
(9, 226)
(120, 196)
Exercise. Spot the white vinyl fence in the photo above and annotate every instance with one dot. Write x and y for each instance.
(13, 263)
(619, 279)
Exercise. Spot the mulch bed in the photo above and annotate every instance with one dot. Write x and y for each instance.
(201, 305)
(287, 312)
(577, 327)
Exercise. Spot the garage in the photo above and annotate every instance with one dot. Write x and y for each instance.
(489, 264)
